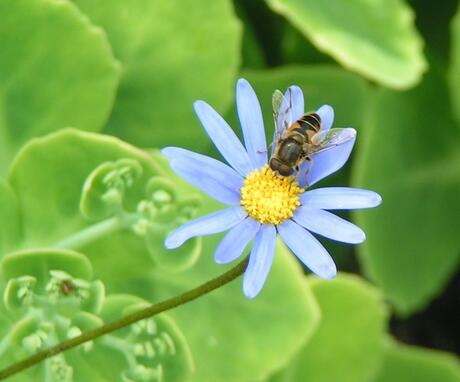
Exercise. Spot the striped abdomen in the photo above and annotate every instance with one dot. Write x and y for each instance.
(308, 125)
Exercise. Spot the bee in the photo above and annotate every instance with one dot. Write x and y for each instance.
(299, 141)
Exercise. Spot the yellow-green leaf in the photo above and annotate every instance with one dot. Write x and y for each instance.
(173, 52)
(375, 38)
(404, 363)
(56, 70)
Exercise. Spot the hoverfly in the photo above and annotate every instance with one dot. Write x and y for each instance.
(300, 140)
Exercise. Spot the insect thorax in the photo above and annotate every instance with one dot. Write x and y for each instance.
(290, 150)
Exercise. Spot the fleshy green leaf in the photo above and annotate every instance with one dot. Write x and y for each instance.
(39, 262)
(105, 187)
(404, 363)
(4, 323)
(296, 49)
(169, 345)
(159, 191)
(23, 328)
(350, 338)
(57, 70)
(177, 259)
(96, 297)
(16, 290)
(377, 39)
(9, 212)
(252, 55)
(410, 155)
(86, 321)
(233, 338)
(173, 52)
(75, 155)
(57, 181)
(454, 70)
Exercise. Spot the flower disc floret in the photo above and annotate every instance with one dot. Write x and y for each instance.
(269, 198)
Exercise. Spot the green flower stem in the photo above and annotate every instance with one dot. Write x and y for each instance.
(96, 231)
(150, 311)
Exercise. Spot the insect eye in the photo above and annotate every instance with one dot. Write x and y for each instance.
(285, 170)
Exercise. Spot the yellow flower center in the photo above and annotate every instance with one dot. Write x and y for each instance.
(268, 197)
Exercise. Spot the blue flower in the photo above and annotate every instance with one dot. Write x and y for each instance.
(262, 204)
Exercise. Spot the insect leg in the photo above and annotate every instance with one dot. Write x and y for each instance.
(264, 151)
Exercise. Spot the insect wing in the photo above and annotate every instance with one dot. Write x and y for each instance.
(332, 151)
(282, 107)
(332, 138)
(277, 101)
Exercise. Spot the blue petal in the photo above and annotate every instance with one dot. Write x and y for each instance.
(328, 225)
(206, 225)
(307, 249)
(223, 138)
(260, 261)
(298, 103)
(209, 175)
(326, 114)
(252, 123)
(236, 240)
(327, 161)
(340, 198)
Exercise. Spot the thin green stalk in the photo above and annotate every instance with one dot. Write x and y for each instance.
(150, 311)
(94, 232)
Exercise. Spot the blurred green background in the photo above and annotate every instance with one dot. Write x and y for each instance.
(390, 69)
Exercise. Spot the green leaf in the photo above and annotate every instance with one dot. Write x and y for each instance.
(115, 355)
(86, 321)
(96, 297)
(157, 190)
(57, 70)
(175, 260)
(14, 292)
(9, 233)
(350, 335)
(404, 363)
(38, 263)
(23, 328)
(56, 219)
(5, 324)
(410, 155)
(454, 70)
(296, 49)
(104, 188)
(252, 54)
(172, 351)
(233, 338)
(75, 155)
(377, 39)
(173, 52)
